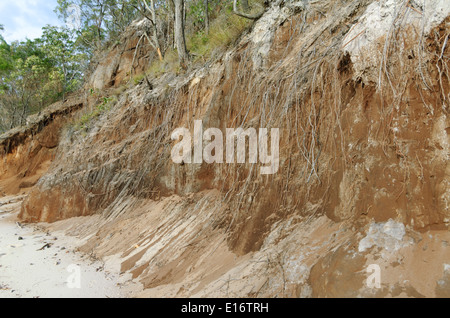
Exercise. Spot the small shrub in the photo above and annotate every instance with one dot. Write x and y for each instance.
(138, 78)
(168, 64)
(224, 31)
(86, 119)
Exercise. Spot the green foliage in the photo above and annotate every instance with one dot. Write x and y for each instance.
(1, 37)
(100, 21)
(138, 79)
(59, 45)
(6, 61)
(103, 21)
(197, 12)
(168, 64)
(36, 73)
(24, 73)
(225, 29)
(84, 122)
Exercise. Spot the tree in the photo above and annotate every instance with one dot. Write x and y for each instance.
(155, 38)
(5, 57)
(120, 14)
(101, 21)
(59, 46)
(1, 37)
(25, 74)
(36, 73)
(207, 16)
(92, 13)
(180, 38)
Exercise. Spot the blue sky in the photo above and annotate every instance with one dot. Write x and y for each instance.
(25, 18)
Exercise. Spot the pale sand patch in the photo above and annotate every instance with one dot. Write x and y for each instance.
(27, 270)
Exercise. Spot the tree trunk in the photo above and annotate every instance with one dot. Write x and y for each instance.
(180, 39)
(99, 25)
(155, 38)
(207, 16)
(172, 15)
(65, 82)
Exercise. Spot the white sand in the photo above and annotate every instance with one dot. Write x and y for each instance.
(27, 272)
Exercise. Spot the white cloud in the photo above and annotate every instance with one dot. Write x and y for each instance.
(23, 29)
(25, 18)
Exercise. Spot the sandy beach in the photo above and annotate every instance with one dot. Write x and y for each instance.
(38, 264)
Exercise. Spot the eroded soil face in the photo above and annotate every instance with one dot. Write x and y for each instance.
(363, 178)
